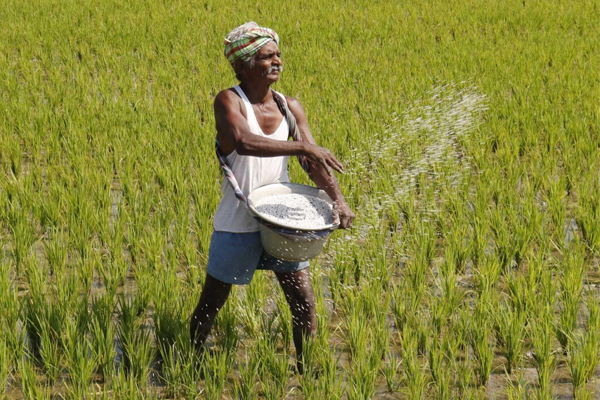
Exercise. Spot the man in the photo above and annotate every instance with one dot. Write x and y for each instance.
(252, 136)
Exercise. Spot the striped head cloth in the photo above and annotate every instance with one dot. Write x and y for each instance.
(246, 40)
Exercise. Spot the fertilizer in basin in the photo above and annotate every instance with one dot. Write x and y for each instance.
(298, 211)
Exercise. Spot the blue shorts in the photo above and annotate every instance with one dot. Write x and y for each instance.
(233, 258)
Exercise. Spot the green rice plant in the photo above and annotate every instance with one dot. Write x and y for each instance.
(16, 159)
(390, 369)
(329, 383)
(215, 367)
(357, 332)
(526, 221)
(322, 302)
(406, 300)
(136, 342)
(556, 199)
(275, 372)
(126, 386)
(244, 387)
(517, 389)
(181, 371)
(382, 335)
(80, 360)
(102, 333)
(460, 352)
(541, 331)
(50, 353)
(457, 251)
(520, 293)
(285, 327)
(444, 306)
(481, 229)
(270, 331)
(36, 310)
(584, 351)
(104, 147)
(363, 376)
(55, 251)
(581, 362)
(226, 328)
(66, 289)
(30, 387)
(170, 318)
(11, 313)
(588, 212)
(487, 274)
(252, 305)
(583, 393)
(5, 366)
(480, 332)
(414, 368)
(451, 293)
(510, 335)
(571, 289)
(440, 373)
(23, 234)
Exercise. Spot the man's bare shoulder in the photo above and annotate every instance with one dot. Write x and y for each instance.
(292, 102)
(227, 98)
(295, 107)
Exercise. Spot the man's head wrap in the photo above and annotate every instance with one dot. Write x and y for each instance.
(246, 40)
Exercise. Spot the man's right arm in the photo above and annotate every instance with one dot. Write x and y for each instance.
(234, 133)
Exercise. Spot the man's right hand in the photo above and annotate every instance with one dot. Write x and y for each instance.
(323, 158)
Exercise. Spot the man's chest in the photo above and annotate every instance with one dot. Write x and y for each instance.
(268, 118)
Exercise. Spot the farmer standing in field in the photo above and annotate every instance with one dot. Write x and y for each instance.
(252, 140)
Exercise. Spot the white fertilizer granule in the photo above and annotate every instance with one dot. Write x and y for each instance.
(296, 210)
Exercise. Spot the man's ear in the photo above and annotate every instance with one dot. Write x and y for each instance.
(238, 67)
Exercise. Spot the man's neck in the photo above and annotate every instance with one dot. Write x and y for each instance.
(257, 92)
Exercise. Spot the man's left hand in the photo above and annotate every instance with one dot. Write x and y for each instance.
(342, 214)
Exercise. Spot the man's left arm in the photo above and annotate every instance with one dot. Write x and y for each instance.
(321, 176)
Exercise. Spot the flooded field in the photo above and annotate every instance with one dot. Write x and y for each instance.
(469, 134)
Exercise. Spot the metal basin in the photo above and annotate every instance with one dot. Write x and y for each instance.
(286, 242)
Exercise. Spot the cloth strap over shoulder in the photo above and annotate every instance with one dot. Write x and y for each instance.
(294, 134)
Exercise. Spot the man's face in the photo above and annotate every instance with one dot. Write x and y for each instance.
(267, 63)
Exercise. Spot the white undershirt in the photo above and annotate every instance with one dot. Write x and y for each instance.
(251, 173)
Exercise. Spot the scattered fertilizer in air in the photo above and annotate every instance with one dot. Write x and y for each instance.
(296, 210)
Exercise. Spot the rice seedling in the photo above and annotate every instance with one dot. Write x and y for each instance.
(329, 384)
(244, 387)
(4, 366)
(215, 366)
(50, 353)
(588, 212)
(440, 373)
(363, 376)
(275, 370)
(414, 368)
(136, 342)
(480, 332)
(389, 370)
(80, 361)
(544, 353)
(102, 334)
(31, 388)
(181, 371)
(570, 294)
(510, 335)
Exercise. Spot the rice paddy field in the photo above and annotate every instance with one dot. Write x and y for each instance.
(469, 131)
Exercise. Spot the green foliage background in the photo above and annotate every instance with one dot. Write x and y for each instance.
(106, 151)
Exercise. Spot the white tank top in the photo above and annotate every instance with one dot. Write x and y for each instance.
(250, 172)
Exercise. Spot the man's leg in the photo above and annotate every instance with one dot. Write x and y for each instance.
(299, 293)
(214, 294)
